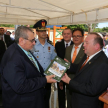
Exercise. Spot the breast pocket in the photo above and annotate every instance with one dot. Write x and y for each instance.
(38, 55)
(48, 55)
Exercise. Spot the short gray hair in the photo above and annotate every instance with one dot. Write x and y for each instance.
(22, 32)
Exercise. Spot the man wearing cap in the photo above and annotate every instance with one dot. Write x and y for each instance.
(44, 52)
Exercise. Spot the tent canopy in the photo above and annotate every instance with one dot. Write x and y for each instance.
(56, 12)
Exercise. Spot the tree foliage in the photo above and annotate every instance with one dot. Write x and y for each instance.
(85, 27)
(7, 25)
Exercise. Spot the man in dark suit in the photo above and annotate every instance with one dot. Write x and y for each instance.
(60, 49)
(2, 49)
(78, 38)
(92, 79)
(23, 80)
(6, 38)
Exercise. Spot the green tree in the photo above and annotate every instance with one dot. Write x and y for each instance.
(6, 25)
(83, 26)
(105, 29)
(98, 30)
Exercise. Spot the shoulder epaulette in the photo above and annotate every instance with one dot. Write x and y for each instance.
(50, 42)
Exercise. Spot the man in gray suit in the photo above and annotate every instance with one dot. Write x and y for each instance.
(74, 53)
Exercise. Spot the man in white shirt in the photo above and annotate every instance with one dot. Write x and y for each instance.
(74, 55)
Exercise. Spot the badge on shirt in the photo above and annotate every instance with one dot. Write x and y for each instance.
(36, 50)
(49, 49)
(37, 56)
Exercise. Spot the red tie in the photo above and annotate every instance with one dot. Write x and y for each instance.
(74, 54)
(84, 63)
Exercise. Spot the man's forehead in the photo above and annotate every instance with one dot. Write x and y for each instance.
(1, 29)
(67, 30)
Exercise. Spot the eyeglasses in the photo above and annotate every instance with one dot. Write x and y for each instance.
(33, 40)
(77, 36)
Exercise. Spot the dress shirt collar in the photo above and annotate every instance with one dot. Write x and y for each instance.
(67, 43)
(38, 42)
(23, 50)
(79, 46)
(93, 55)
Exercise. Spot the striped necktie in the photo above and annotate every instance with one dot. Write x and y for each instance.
(30, 57)
(84, 62)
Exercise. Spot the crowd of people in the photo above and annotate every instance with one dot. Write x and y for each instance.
(24, 59)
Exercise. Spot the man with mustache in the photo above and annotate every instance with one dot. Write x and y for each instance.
(44, 52)
(78, 37)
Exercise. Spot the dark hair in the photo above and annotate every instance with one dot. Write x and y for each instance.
(2, 28)
(22, 32)
(98, 39)
(78, 29)
(67, 29)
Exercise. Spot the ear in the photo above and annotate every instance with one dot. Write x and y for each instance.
(21, 41)
(97, 46)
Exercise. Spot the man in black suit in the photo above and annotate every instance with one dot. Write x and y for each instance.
(92, 79)
(60, 49)
(23, 80)
(6, 38)
(2, 49)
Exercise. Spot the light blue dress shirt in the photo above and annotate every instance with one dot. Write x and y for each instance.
(44, 53)
(31, 56)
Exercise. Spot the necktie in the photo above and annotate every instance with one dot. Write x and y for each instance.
(74, 54)
(66, 45)
(35, 64)
(84, 63)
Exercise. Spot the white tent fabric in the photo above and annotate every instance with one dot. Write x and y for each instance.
(56, 12)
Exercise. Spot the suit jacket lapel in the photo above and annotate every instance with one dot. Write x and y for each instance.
(25, 56)
(40, 67)
(88, 63)
(63, 44)
(79, 55)
(70, 50)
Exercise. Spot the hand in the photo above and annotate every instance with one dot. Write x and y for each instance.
(66, 79)
(49, 79)
(61, 85)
